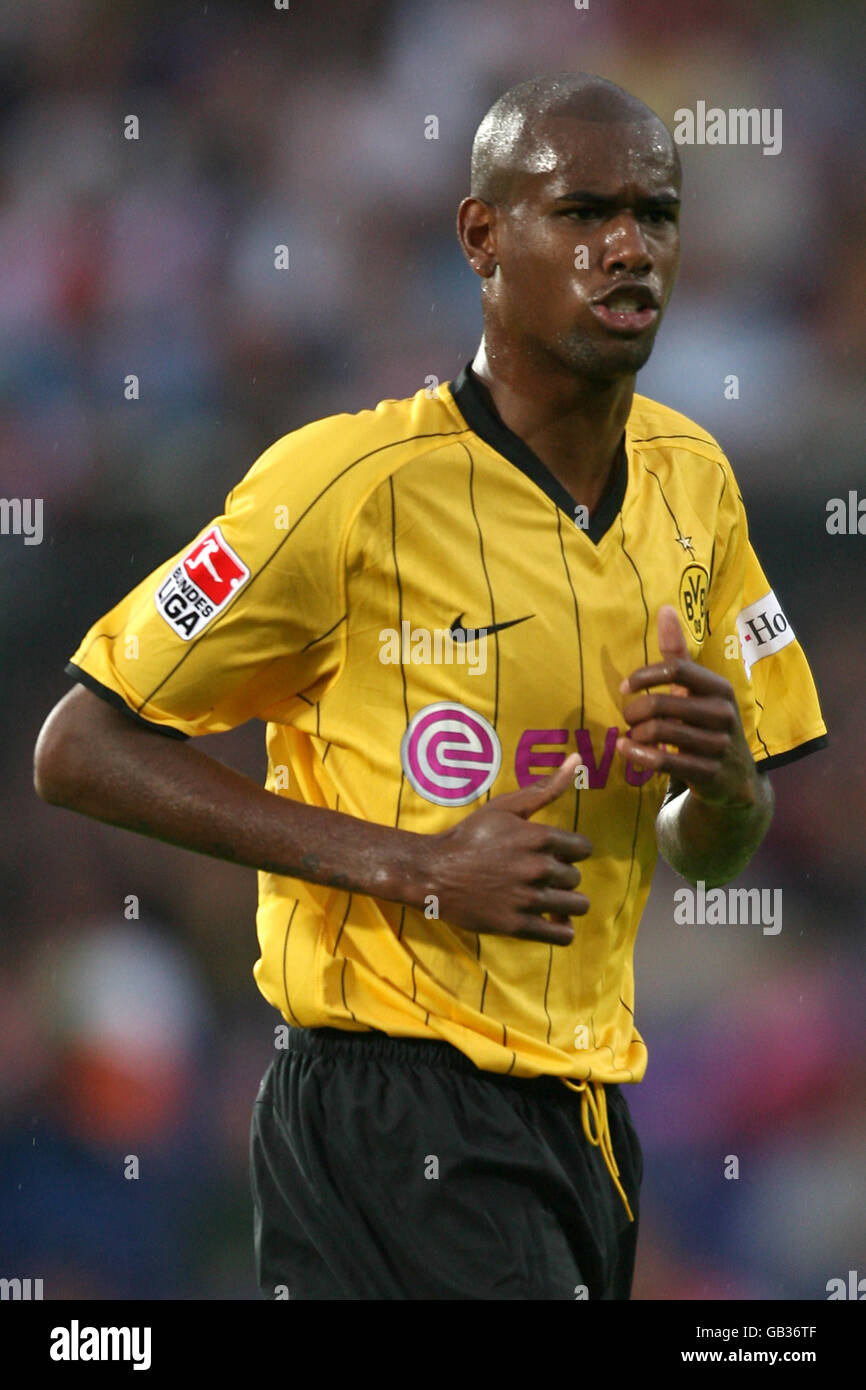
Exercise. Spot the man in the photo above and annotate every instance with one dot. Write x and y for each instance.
(432, 605)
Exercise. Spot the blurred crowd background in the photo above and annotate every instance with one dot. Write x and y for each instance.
(131, 1024)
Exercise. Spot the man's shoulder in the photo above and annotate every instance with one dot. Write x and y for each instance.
(652, 424)
(337, 443)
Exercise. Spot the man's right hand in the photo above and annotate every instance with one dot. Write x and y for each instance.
(498, 871)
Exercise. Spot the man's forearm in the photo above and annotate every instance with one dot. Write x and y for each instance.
(115, 771)
(710, 843)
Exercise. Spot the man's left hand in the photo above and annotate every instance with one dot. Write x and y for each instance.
(698, 717)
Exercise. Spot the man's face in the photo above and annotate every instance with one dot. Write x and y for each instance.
(613, 190)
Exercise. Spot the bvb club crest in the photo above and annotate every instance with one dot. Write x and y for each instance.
(693, 600)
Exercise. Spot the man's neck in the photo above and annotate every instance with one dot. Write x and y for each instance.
(574, 427)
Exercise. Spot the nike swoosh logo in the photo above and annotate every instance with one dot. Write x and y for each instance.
(462, 634)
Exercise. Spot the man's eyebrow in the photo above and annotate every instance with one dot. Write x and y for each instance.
(607, 201)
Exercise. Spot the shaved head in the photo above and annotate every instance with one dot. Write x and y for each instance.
(575, 197)
(511, 139)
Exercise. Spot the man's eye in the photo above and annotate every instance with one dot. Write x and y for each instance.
(583, 214)
(660, 215)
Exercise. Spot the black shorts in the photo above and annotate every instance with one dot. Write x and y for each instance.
(392, 1168)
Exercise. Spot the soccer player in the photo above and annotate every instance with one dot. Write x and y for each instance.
(511, 625)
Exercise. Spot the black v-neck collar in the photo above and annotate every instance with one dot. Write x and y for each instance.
(475, 404)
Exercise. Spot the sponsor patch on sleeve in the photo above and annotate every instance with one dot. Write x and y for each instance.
(200, 585)
(762, 629)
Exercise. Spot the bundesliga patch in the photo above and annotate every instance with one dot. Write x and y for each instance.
(200, 586)
(762, 629)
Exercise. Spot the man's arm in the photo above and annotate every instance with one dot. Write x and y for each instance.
(718, 807)
(712, 843)
(91, 758)
(495, 870)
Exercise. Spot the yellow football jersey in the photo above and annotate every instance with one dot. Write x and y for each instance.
(424, 618)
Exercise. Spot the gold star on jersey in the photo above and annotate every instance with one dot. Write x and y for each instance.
(404, 597)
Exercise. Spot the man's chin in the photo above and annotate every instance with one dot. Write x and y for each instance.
(608, 361)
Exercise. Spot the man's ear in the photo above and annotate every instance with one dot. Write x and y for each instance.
(476, 232)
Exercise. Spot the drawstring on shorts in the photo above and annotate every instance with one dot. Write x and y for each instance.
(595, 1104)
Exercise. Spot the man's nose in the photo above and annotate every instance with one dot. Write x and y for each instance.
(626, 248)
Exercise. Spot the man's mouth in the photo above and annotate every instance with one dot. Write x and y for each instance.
(627, 309)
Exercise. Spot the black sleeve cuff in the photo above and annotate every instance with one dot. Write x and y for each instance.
(112, 698)
(793, 754)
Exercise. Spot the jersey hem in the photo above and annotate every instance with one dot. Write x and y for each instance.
(111, 697)
(792, 754)
(342, 1037)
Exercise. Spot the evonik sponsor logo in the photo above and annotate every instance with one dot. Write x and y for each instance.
(452, 755)
(546, 749)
